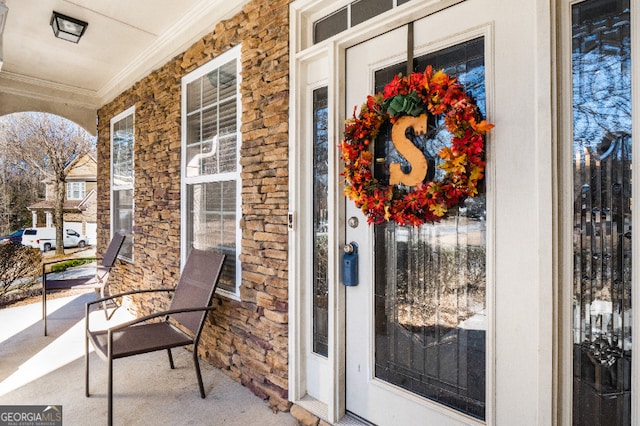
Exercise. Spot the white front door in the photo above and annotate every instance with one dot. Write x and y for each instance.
(417, 320)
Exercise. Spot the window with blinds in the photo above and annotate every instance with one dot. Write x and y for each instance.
(76, 190)
(211, 171)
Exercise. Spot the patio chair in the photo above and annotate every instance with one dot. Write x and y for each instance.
(98, 282)
(180, 325)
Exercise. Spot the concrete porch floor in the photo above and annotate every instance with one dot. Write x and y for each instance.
(39, 370)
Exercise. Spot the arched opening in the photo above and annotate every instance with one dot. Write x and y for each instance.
(79, 111)
(47, 167)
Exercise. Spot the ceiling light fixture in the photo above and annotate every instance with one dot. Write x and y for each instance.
(67, 28)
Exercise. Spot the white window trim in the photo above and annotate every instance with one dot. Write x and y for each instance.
(82, 189)
(231, 54)
(129, 111)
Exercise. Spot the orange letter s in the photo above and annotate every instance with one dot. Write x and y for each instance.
(408, 150)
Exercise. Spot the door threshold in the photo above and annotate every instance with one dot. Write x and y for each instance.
(353, 419)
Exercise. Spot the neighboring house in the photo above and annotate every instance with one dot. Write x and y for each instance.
(80, 203)
(517, 311)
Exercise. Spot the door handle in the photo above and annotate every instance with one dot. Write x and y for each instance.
(350, 265)
(350, 248)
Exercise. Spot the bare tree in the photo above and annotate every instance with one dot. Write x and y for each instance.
(48, 143)
(20, 186)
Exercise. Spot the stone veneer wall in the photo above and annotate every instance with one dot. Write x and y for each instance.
(247, 339)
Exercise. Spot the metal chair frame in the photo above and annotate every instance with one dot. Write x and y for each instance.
(140, 336)
(99, 282)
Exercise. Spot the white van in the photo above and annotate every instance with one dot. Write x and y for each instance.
(45, 238)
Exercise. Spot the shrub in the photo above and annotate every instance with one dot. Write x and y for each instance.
(63, 266)
(20, 268)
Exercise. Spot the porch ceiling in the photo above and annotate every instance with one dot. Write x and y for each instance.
(124, 41)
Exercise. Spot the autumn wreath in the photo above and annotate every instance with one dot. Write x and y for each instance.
(406, 102)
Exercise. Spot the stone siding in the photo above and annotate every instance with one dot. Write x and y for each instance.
(247, 338)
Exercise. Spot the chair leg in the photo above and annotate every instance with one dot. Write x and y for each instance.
(198, 374)
(100, 294)
(110, 393)
(86, 365)
(170, 358)
(44, 307)
(105, 308)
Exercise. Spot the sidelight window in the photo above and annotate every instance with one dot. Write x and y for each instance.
(122, 145)
(602, 257)
(320, 221)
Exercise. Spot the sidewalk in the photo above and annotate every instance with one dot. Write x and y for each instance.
(39, 370)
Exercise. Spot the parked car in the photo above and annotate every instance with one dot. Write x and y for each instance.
(15, 237)
(45, 238)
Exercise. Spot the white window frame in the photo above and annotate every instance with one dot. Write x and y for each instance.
(231, 54)
(79, 187)
(124, 114)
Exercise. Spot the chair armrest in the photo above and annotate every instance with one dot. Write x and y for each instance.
(159, 314)
(114, 296)
(128, 293)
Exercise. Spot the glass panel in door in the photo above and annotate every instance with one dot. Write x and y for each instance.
(430, 281)
(601, 74)
(320, 221)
